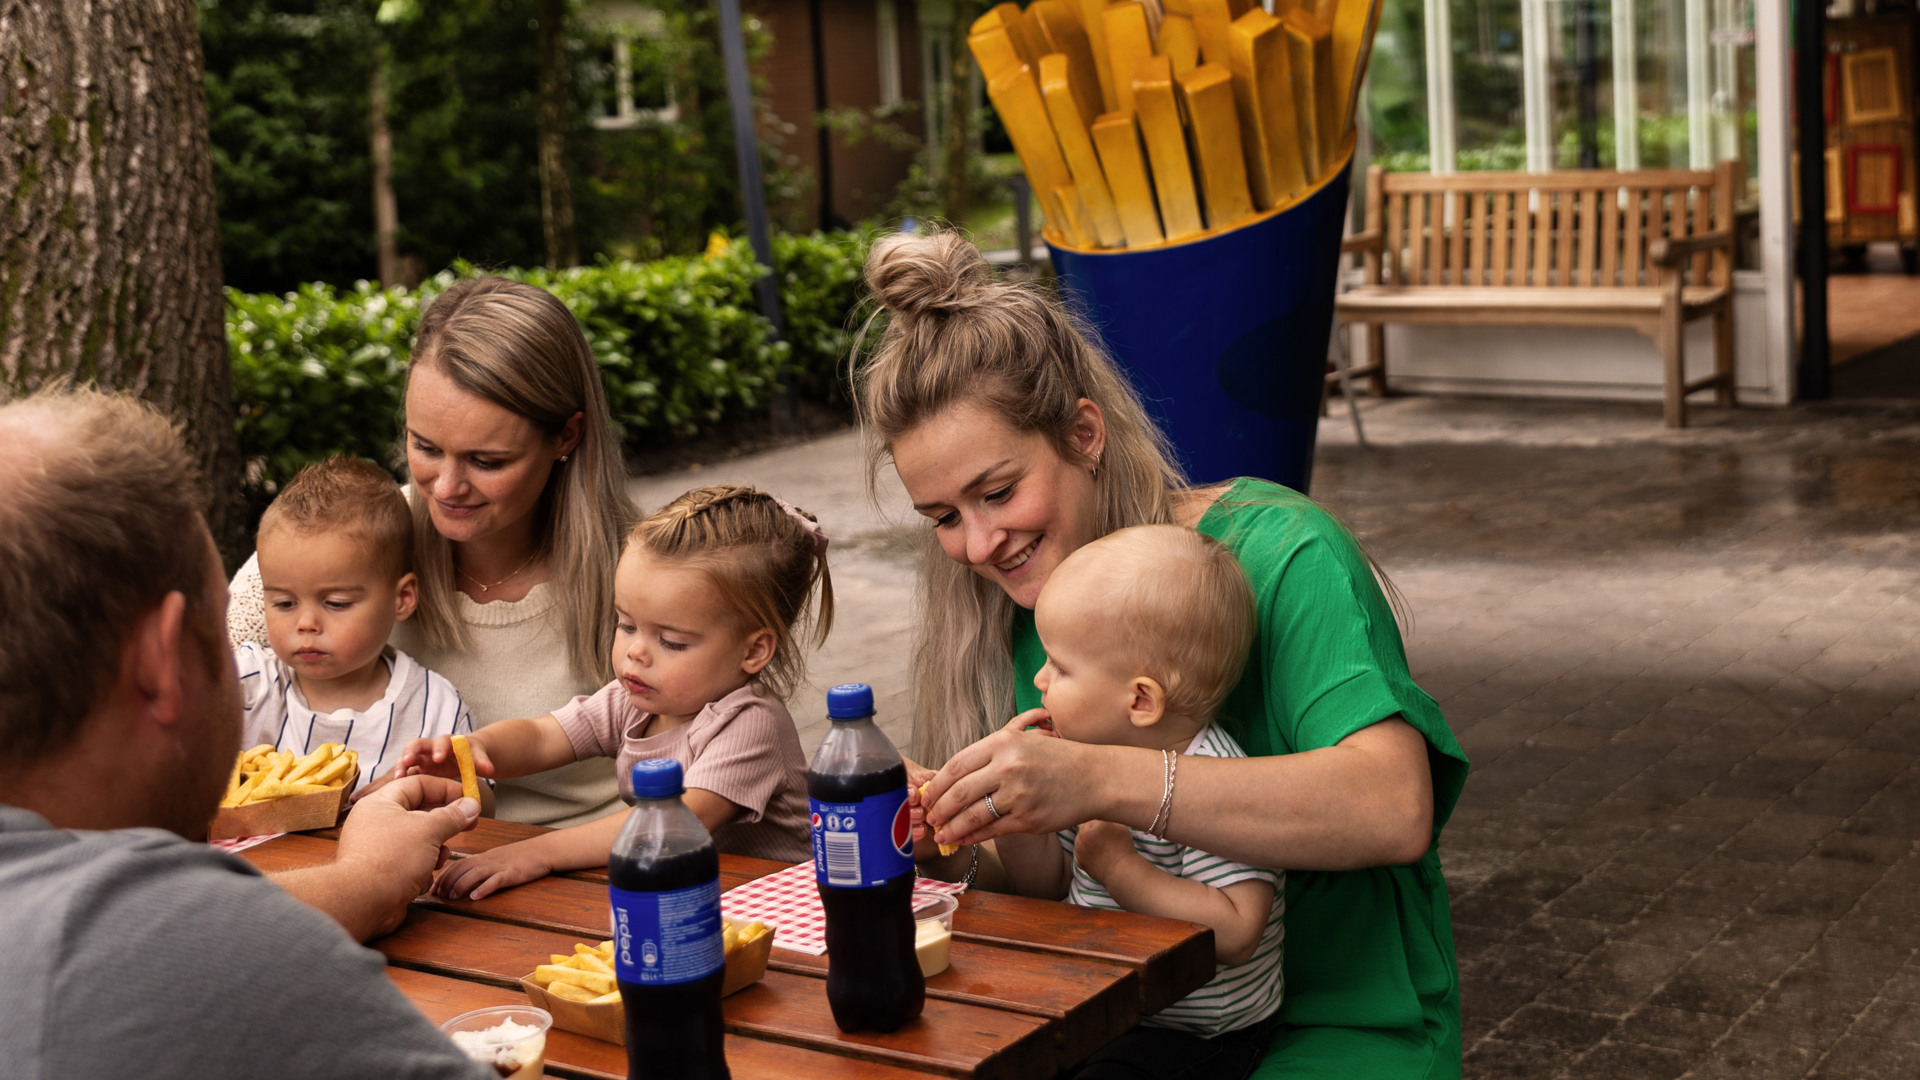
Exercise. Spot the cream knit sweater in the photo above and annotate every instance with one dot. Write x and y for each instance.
(516, 666)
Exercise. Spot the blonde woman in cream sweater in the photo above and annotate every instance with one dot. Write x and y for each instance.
(519, 505)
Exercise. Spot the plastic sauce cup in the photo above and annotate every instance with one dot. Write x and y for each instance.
(500, 1037)
(933, 930)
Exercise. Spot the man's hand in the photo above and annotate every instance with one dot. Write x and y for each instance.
(390, 846)
(1100, 846)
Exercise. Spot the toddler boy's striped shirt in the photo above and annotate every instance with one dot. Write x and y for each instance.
(1240, 995)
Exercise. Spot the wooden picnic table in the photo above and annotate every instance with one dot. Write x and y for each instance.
(1034, 986)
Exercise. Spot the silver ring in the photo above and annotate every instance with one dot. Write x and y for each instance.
(988, 799)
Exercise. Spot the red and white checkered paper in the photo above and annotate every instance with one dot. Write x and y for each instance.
(238, 844)
(790, 900)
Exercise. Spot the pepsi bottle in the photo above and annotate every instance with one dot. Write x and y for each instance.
(669, 958)
(863, 861)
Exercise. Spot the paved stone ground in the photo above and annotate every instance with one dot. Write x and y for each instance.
(1687, 668)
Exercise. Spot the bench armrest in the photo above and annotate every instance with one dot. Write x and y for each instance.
(1361, 241)
(1675, 250)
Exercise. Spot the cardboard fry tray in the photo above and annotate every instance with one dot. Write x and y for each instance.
(608, 1022)
(295, 813)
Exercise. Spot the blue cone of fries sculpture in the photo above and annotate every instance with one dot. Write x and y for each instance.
(1192, 159)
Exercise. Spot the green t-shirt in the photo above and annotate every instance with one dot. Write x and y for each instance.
(1372, 988)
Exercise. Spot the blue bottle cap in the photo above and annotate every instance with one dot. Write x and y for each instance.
(657, 778)
(850, 701)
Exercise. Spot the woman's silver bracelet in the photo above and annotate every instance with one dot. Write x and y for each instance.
(973, 866)
(1158, 830)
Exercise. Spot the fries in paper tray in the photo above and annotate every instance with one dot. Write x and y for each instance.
(579, 990)
(272, 791)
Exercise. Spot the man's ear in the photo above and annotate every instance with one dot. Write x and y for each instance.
(151, 659)
(1148, 702)
(760, 646)
(406, 596)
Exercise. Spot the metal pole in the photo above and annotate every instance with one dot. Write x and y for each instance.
(753, 189)
(1809, 58)
(1022, 216)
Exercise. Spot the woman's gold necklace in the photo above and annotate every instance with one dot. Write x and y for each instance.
(484, 587)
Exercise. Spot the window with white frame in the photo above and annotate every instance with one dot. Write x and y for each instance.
(1560, 84)
(637, 87)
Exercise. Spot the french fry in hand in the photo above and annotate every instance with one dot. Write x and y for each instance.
(463, 757)
(945, 849)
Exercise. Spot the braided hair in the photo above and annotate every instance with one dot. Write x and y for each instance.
(765, 562)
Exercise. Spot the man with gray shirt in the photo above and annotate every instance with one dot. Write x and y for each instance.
(126, 948)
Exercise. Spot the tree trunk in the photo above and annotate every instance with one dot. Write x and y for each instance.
(110, 247)
(386, 212)
(955, 172)
(556, 191)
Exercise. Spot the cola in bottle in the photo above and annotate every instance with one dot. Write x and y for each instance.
(863, 861)
(669, 958)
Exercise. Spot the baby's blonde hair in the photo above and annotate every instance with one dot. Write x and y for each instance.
(763, 560)
(1177, 605)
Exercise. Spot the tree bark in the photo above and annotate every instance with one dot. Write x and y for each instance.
(386, 211)
(556, 191)
(110, 246)
(955, 172)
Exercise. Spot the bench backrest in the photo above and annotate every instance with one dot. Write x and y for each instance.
(1586, 228)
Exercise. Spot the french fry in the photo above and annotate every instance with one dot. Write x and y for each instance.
(1208, 93)
(1352, 22)
(595, 981)
(1026, 37)
(1073, 216)
(1117, 138)
(1060, 27)
(245, 788)
(573, 992)
(1176, 42)
(1096, 31)
(1211, 18)
(1076, 145)
(945, 849)
(335, 772)
(312, 762)
(1166, 141)
(607, 998)
(1016, 96)
(1310, 68)
(463, 757)
(1263, 90)
(993, 49)
(1128, 42)
(278, 789)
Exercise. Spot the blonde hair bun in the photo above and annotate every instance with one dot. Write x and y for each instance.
(914, 275)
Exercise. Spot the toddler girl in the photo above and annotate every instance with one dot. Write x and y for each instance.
(707, 597)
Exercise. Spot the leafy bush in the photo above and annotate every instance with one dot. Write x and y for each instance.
(680, 342)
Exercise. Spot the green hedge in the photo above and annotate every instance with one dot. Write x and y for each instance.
(680, 343)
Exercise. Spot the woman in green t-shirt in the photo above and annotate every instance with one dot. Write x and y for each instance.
(1019, 440)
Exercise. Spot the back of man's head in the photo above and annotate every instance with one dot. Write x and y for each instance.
(99, 521)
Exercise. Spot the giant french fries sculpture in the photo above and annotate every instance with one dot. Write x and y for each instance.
(1244, 112)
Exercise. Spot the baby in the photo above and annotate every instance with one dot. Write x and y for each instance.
(1146, 632)
(336, 568)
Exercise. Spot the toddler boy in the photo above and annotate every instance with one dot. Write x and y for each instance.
(1146, 631)
(336, 569)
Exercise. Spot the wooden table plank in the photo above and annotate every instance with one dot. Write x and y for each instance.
(1055, 982)
(571, 1055)
(1173, 958)
(1089, 1003)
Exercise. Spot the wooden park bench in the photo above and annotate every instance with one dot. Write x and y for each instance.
(1646, 250)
